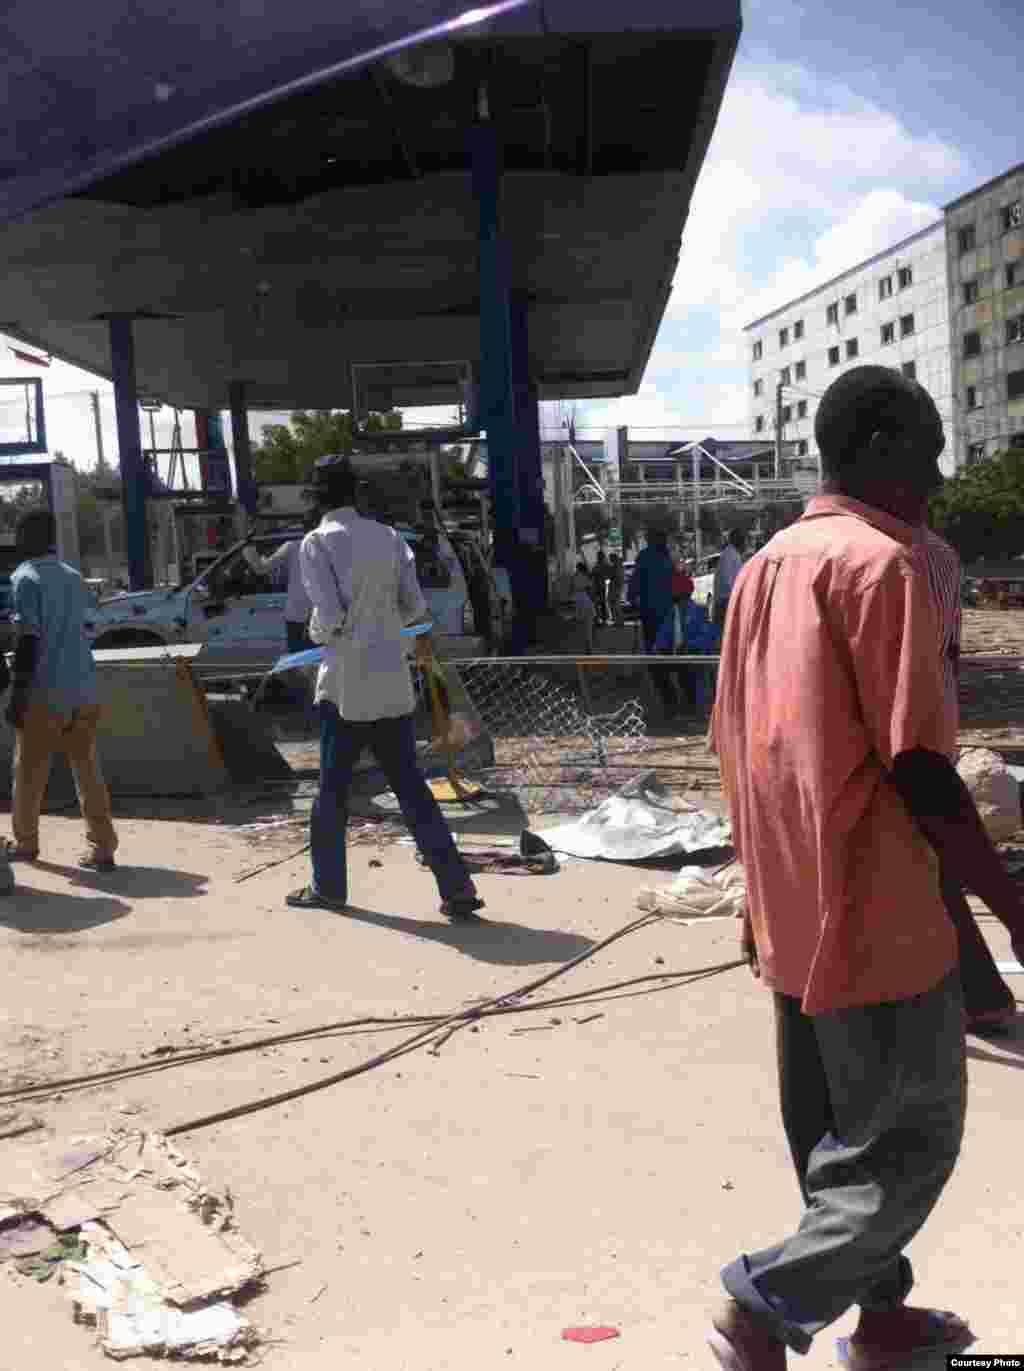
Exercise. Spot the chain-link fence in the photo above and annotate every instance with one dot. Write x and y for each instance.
(566, 733)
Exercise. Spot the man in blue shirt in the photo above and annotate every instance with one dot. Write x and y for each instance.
(54, 705)
(650, 593)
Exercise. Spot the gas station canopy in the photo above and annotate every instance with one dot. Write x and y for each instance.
(273, 192)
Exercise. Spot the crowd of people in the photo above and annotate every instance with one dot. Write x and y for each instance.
(835, 723)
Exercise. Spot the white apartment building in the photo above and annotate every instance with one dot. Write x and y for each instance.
(892, 310)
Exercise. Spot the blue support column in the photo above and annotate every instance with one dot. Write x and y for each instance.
(497, 402)
(243, 447)
(531, 470)
(129, 446)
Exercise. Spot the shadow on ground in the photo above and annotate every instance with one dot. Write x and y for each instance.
(142, 882)
(48, 911)
(502, 944)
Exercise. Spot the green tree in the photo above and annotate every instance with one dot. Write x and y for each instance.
(980, 511)
(288, 451)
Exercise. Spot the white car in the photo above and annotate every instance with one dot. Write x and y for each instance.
(238, 612)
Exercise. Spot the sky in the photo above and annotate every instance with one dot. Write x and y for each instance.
(839, 135)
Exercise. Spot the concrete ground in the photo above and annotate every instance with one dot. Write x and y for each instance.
(454, 1211)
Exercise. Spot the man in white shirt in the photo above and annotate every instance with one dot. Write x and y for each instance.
(297, 606)
(730, 562)
(361, 580)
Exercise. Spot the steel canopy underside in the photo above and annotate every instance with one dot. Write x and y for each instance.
(338, 225)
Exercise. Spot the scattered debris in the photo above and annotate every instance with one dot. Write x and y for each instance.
(26, 1238)
(995, 790)
(639, 823)
(587, 1335)
(154, 1256)
(313, 1298)
(68, 1247)
(13, 1123)
(534, 858)
(697, 894)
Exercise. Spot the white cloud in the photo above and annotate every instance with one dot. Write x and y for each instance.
(784, 147)
(878, 221)
(803, 180)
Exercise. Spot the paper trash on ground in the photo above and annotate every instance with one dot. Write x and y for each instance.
(638, 823)
(114, 1291)
(163, 1255)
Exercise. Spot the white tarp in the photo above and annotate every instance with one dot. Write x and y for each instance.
(638, 823)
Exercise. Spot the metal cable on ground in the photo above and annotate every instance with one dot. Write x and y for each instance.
(435, 1026)
(669, 980)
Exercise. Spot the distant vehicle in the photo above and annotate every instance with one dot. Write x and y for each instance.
(239, 613)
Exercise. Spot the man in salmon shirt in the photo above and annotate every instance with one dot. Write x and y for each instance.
(834, 729)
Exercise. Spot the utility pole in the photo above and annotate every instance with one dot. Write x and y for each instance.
(101, 461)
(778, 430)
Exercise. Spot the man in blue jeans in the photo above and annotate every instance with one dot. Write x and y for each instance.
(361, 579)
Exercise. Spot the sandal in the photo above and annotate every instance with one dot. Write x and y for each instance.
(740, 1342)
(308, 898)
(96, 861)
(462, 908)
(943, 1330)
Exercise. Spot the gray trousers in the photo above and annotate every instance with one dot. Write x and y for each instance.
(873, 1103)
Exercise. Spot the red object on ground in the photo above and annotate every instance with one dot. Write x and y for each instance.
(589, 1334)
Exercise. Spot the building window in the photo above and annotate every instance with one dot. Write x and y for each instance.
(759, 424)
(967, 239)
(758, 387)
(909, 370)
(758, 350)
(801, 371)
(906, 325)
(801, 448)
(1014, 385)
(885, 288)
(970, 292)
(1012, 274)
(833, 357)
(801, 409)
(1013, 216)
(850, 304)
(972, 344)
(783, 337)
(1015, 329)
(787, 414)
(888, 334)
(798, 330)
(1017, 441)
(972, 397)
(851, 348)
(784, 376)
(975, 453)
(906, 277)
(832, 314)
